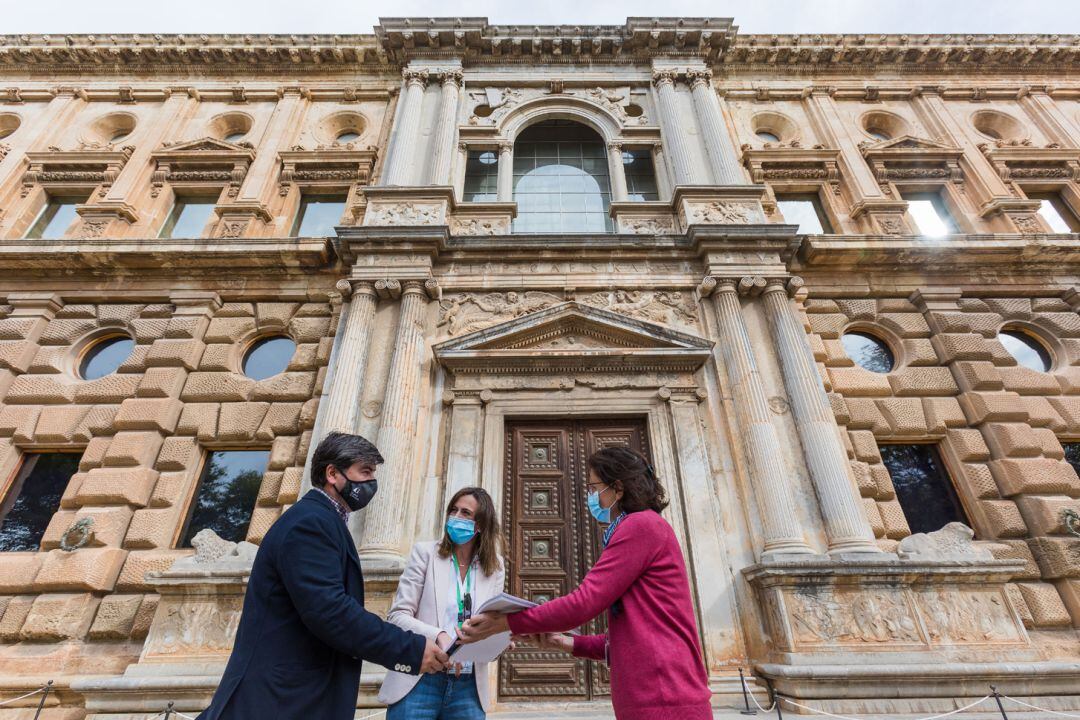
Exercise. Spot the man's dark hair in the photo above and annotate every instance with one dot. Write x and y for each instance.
(341, 450)
(629, 471)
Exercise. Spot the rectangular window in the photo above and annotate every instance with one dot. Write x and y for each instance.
(1055, 212)
(33, 498)
(640, 174)
(482, 176)
(226, 495)
(318, 215)
(923, 487)
(806, 212)
(189, 217)
(55, 218)
(930, 214)
(1072, 454)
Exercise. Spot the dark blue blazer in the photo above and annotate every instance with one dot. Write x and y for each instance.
(304, 630)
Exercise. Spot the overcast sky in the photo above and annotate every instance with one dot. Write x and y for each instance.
(359, 16)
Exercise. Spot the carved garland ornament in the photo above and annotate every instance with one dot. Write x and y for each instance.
(1071, 520)
(78, 535)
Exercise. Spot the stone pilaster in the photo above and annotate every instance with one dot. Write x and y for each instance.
(347, 382)
(671, 128)
(506, 172)
(385, 519)
(399, 161)
(776, 504)
(1050, 118)
(618, 172)
(846, 527)
(722, 158)
(442, 154)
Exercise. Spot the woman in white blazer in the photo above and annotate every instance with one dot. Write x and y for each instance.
(441, 586)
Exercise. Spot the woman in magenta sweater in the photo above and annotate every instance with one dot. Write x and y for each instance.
(652, 644)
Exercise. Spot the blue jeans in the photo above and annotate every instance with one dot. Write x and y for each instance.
(440, 696)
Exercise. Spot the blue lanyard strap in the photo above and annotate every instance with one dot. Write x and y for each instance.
(611, 528)
(462, 601)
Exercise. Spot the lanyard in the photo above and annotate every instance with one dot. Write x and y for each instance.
(464, 605)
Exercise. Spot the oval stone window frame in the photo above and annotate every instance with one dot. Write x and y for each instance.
(256, 344)
(876, 336)
(884, 123)
(1032, 340)
(91, 348)
(998, 125)
(231, 124)
(776, 124)
(110, 128)
(9, 123)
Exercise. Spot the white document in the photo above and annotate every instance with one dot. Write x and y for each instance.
(486, 650)
(504, 603)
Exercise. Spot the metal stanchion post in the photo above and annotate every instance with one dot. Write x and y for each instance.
(169, 710)
(41, 703)
(745, 697)
(777, 698)
(997, 699)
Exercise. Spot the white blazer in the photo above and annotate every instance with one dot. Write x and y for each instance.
(420, 606)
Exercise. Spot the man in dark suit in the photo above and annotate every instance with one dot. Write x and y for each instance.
(304, 630)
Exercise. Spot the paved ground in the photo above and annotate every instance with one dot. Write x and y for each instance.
(561, 711)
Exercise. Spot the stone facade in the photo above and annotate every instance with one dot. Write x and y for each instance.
(425, 323)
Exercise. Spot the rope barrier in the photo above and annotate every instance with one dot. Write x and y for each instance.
(845, 717)
(22, 697)
(750, 693)
(1041, 709)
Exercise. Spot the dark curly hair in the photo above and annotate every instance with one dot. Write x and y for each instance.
(629, 471)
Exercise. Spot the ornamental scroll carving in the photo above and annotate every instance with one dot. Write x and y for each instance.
(498, 104)
(826, 617)
(466, 312)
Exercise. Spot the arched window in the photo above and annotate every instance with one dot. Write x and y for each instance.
(561, 181)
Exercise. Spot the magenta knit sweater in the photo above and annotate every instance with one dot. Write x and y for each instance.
(657, 672)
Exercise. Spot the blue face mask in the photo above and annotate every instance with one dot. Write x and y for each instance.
(460, 530)
(602, 514)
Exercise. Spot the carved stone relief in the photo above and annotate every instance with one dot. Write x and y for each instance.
(952, 542)
(479, 226)
(647, 225)
(195, 628)
(826, 616)
(953, 616)
(724, 213)
(500, 102)
(404, 214)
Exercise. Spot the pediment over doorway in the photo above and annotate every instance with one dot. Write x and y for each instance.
(573, 336)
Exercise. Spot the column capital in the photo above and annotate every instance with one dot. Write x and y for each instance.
(388, 288)
(352, 288)
(418, 287)
(506, 147)
(463, 145)
(35, 304)
(664, 77)
(415, 77)
(195, 302)
(710, 285)
(452, 77)
(789, 286)
(615, 145)
(700, 77)
(936, 299)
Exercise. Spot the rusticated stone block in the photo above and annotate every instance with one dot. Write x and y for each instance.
(906, 325)
(304, 446)
(892, 515)
(283, 452)
(1003, 518)
(219, 358)
(829, 327)
(952, 347)
(70, 499)
(136, 361)
(281, 419)
(968, 445)
(992, 407)
(1017, 550)
(326, 347)
(186, 326)
(17, 572)
(305, 359)
(1011, 440)
(1019, 604)
(153, 528)
(858, 308)
(863, 479)
(93, 569)
(286, 386)
(269, 489)
(14, 616)
(820, 306)
(863, 414)
(54, 618)
(977, 376)
(919, 352)
(1044, 602)
(904, 415)
(178, 453)
(129, 449)
(158, 310)
(922, 381)
(1058, 557)
(19, 422)
(1049, 443)
(140, 626)
(883, 482)
(161, 382)
(1063, 324)
(856, 382)
(309, 411)
(1049, 304)
(324, 309)
(979, 480)
(261, 520)
(48, 360)
(865, 446)
(110, 486)
(118, 315)
(115, 617)
(109, 526)
(40, 389)
(99, 421)
(271, 315)
(870, 510)
(1017, 308)
(290, 485)
(172, 488)
(175, 353)
(56, 424)
(1043, 514)
(830, 352)
(199, 419)
(66, 332)
(235, 309)
(1041, 413)
(1068, 379)
(18, 355)
(942, 413)
(229, 329)
(217, 387)
(109, 389)
(309, 329)
(1025, 381)
(1033, 475)
(140, 562)
(1068, 409)
(239, 421)
(94, 453)
(16, 328)
(985, 324)
(160, 414)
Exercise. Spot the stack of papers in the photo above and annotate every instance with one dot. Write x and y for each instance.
(489, 649)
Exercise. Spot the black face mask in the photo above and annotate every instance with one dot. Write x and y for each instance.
(358, 494)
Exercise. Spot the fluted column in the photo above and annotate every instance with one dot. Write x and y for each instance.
(775, 501)
(445, 126)
(618, 172)
(845, 525)
(347, 382)
(506, 172)
(400, 160)
(722, 158)
(385, 518)
(671, 129)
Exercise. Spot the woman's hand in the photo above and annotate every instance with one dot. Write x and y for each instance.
(482, 626)
(444, 641)
(556, 641)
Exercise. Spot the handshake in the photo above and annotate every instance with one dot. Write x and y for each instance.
(483, 626)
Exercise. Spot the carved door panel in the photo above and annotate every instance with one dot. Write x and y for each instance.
(553, 541)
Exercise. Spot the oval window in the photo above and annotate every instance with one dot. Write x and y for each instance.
(1027, 351)
(105, 356)
(868, 352)
(268, 356)
(348, 136)
(768, 136)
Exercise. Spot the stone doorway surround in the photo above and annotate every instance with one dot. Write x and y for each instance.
(575, 360)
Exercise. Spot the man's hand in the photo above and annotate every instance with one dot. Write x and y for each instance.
(435, 660)
(483, 626)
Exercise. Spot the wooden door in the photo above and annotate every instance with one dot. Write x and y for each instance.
(553, 541)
